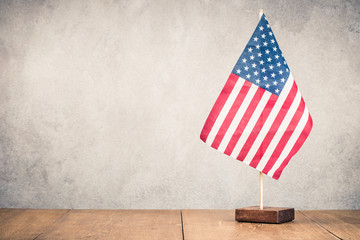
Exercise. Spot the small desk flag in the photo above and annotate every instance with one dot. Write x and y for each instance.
(260, 117)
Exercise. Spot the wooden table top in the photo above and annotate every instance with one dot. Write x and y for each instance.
(171, 225)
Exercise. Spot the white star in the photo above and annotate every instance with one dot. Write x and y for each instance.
(287, 70)
(265, 78)
(252, 57)
(255, 39)
(257, 81)
(259, 54)
(270, 33)
(265, 44)
(271, 67)
(269, 59)
(261, 28)
(267, 51)
(244, 60)
(284, 61)
(272, 41)
(250, 49)
(256, 73)
(253, 65)
(277, 90)
(263, 70)
(246, 68)
(282, 80)
(275, 83)
(248, 76)
(263, 35)
(280, 72)
(268, 26)
(278, 64)
(257, 46)
(273, 76)
(276, 56)
(238, 71)
(274, 49)
(267, 85)
(261, 62)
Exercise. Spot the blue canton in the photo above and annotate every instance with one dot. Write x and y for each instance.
(262, 62)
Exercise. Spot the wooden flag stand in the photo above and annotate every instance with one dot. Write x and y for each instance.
(261, 214)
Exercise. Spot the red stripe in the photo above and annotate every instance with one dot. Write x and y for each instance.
(285, 137)
(274, 127)
(244, 120)
(257, 128)
(305, 133)
(215, 111)
(230, 116)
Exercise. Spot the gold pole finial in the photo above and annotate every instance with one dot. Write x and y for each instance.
(260, 13)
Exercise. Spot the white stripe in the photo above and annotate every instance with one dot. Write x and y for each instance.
(279, 133)
(290, 144)
(274, 112)
(225, 110)
(249, 127)
(238, 116)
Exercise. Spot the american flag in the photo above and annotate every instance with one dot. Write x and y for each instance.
(260, 117)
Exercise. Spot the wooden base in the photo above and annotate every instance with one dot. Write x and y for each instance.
(266, 215)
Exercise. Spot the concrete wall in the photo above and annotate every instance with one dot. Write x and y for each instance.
(102, 103)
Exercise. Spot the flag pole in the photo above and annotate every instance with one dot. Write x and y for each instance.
(261, 191)
(261, 174)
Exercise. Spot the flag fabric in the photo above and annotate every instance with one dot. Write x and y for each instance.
(260, 117)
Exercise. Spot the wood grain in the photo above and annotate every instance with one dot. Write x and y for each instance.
(38, 224)
(117, 224)
(16, 224)
(343, 223)
(220, 224)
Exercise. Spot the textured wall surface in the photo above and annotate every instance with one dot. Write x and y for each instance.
(102, 103)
